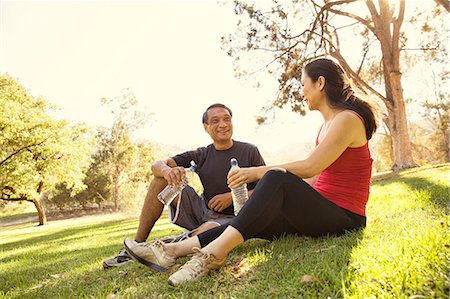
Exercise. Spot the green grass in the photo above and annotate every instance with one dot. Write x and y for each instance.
(403, 253)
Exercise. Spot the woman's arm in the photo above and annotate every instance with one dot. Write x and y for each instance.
(346, 130)
(311, 180)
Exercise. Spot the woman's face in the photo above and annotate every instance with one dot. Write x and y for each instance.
(311, 91)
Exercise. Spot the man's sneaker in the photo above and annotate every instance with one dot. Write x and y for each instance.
(121, 259)
(182, 236)
(150, 254)
(199, 265)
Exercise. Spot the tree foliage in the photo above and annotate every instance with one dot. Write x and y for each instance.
(287, 35)
(121, 167)
(125, 159)
(437, 111)
(37, 150)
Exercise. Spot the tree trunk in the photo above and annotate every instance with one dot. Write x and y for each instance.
(39, 207)
(41, 211)
(116, 189)
(398, 125)
(445, 144)
(387, 31)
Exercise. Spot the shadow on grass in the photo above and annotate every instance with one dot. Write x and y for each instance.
(439, 193)
(301, 267)
(21, 218)
(276, 270)
(289, 267)
(64, 232)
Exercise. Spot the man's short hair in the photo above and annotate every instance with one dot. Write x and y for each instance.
(217, 105)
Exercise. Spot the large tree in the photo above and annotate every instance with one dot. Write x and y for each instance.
(293, 33)
(37, 150)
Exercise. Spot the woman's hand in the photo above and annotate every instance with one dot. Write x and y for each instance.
(238, 177)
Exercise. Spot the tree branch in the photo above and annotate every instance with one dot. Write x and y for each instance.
(362, 61)
(419, 49)
(21, 149)
(355, 76)
(375, 16)
(353, 16)
(444, 3)
(345, 26)
(11, 191)
(396, 34)
(16, 199)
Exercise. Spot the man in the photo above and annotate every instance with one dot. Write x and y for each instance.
(191, 211)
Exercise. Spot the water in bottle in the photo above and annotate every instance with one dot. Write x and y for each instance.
(239, 194)
(168, 194)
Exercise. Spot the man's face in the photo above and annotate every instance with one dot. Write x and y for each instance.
(219, 125)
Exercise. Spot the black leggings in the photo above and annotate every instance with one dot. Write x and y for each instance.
(284, 204)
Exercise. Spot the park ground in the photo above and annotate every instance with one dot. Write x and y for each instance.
(404, 252)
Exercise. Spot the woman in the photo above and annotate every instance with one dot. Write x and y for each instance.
(323, 194)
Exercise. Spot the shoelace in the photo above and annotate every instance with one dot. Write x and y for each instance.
(197, 262)
(157, 244)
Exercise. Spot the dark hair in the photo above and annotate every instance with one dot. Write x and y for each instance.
(339, 92)
(217, 105)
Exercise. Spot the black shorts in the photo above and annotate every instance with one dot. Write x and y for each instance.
(191, 211)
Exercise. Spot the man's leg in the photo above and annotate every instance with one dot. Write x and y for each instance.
(211, 219)
(204, 227)
(152, 209)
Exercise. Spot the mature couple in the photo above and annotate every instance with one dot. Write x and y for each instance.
(323, 194)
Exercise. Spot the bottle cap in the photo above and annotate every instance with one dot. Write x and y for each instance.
(234, 162)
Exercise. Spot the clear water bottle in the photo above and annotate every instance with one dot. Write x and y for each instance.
(170, 192)
(239, 194)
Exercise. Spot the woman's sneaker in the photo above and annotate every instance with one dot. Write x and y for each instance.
(121, 259)
(199, 265)
(150, 254)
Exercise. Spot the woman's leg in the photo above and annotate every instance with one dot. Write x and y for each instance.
(182, 248)
(281, 204)
(282, 195)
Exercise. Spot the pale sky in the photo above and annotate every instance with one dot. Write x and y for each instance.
(168, 53)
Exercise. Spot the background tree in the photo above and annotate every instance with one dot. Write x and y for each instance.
(124, 157)
(437, 111)
(100, 186)
(285, 35)
(121, 167)
(37, 151)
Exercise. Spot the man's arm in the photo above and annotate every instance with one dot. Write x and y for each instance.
(168, 170)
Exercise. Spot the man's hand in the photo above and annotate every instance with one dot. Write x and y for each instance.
(220, 202)
(175, 175)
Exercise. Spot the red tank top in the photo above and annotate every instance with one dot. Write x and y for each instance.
(346, 181)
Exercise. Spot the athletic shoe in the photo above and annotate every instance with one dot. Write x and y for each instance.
(150, 254)
(199, 265)
(180, 237)
(121, 259)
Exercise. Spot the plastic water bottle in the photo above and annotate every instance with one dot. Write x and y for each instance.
(170, 192)
(239, 194)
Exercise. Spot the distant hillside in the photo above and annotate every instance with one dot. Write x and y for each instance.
(166, 150)
(292, 152)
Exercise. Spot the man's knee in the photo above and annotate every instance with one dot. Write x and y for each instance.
(157, 184)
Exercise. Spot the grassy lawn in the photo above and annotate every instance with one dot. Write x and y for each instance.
(403, 253)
